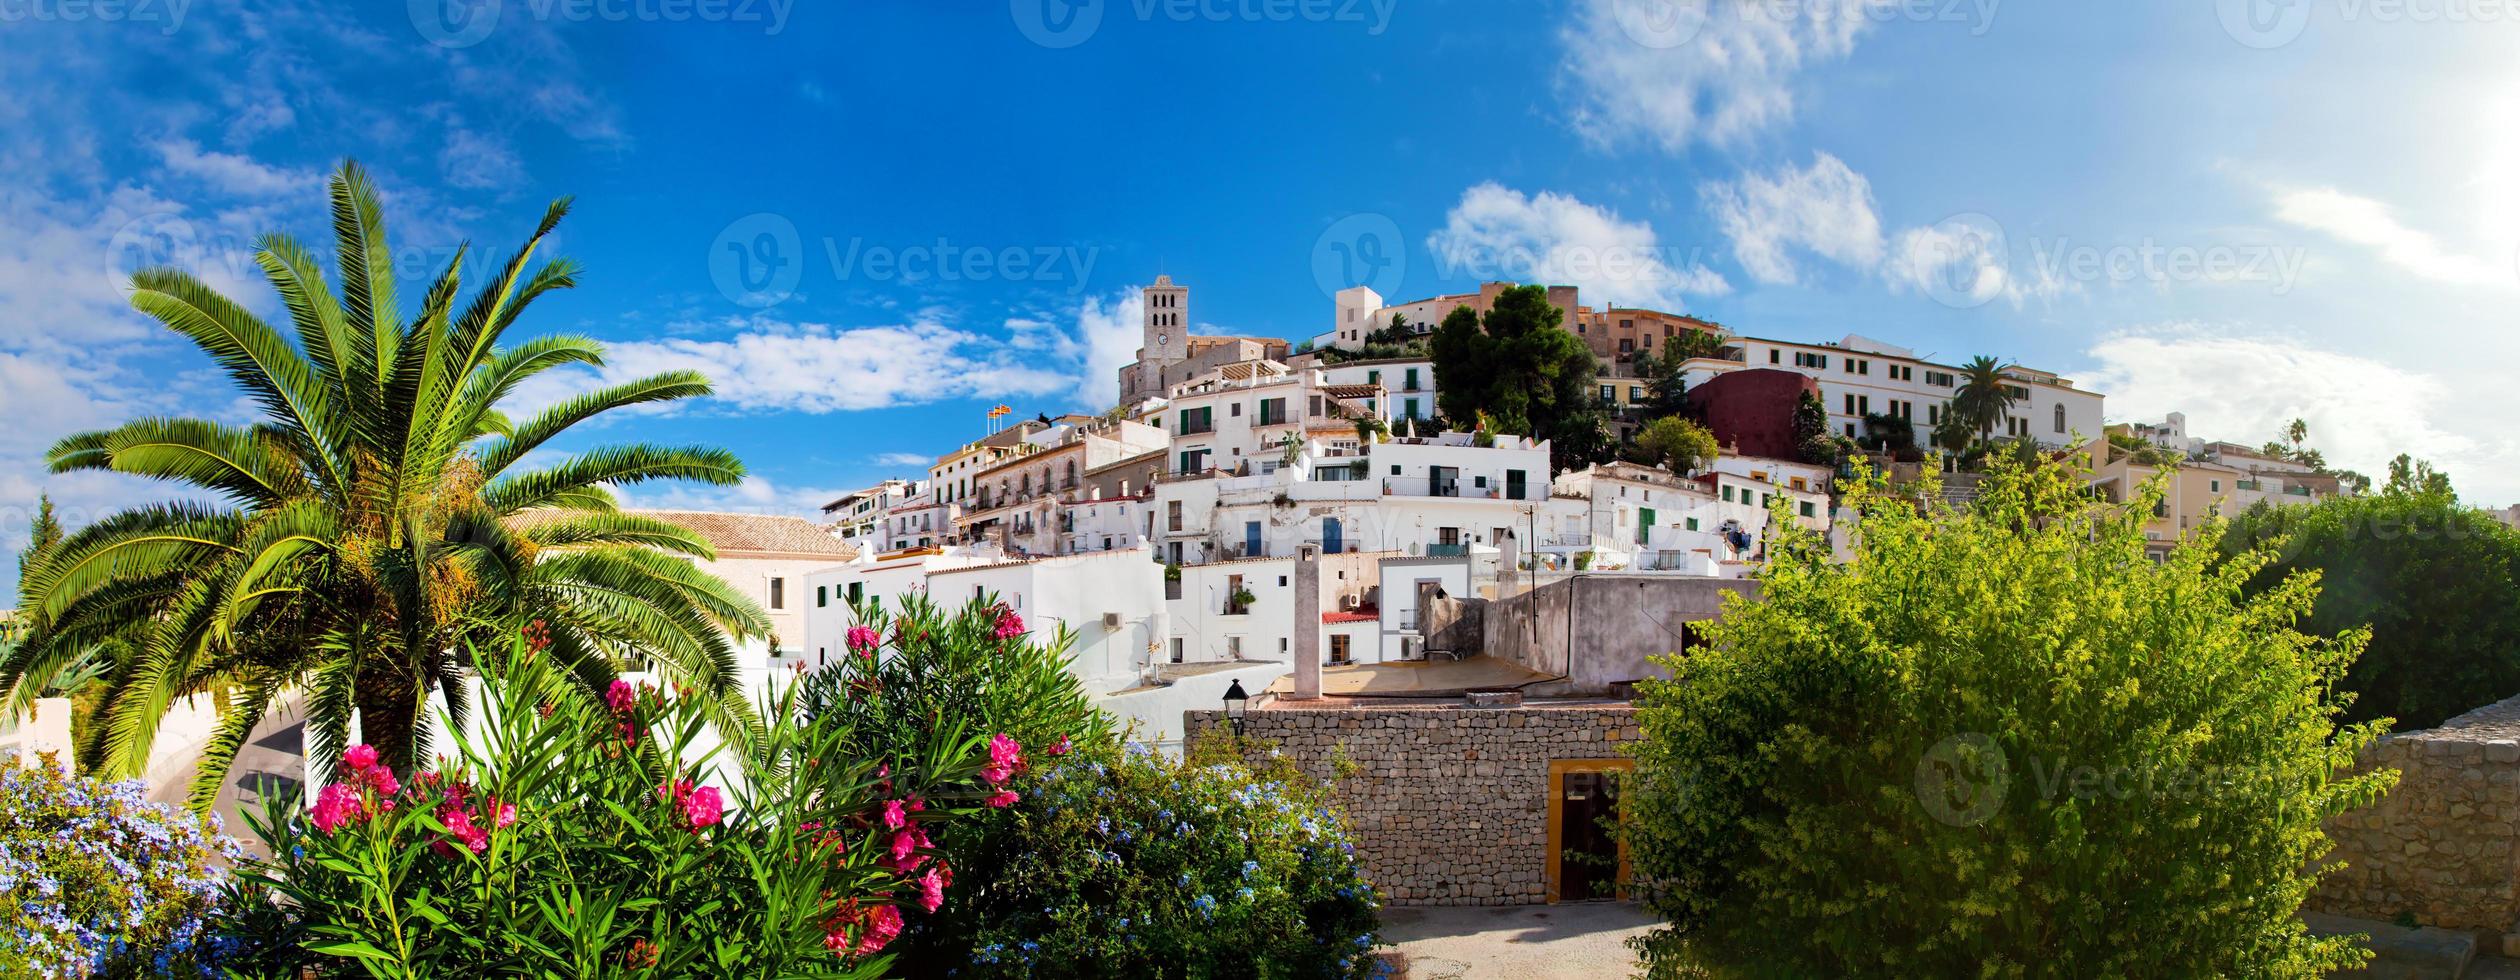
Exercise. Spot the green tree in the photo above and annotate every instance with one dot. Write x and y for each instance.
(1944, 758)
(2436, 584)
(1677, 444)
(44, 533)
(1668, 392)
(381, 506)
(1984, 399)
(2411, 477)
(1529, 375)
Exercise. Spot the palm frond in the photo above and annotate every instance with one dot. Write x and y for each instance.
(616, 465)
(669, 386)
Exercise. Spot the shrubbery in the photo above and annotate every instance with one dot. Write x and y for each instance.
(580, 836)
(95, 881)
(1109, 862)
(2000, 742)
(1137, 866)
(2437, 584)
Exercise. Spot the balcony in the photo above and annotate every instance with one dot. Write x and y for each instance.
(1197, 428)
(1447, 551)
(1420, 486)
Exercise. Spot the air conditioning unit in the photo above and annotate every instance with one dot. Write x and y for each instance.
(1111, 620)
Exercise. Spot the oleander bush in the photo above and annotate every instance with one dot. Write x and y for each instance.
(2000, 742)
(97, 882)
(1105, 862)
(578, 835)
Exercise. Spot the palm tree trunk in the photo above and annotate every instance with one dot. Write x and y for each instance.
(389, 705)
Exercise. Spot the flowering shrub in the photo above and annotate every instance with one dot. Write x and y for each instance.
(1134, 865)
(95, 881)
(581, 834)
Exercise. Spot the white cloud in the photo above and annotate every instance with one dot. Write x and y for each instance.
(920, 460)
(751, 495)
(2362, 411)
(1825, 209)
(2369, 223)
(229, 173)
(1108, 333)
(1499, 233)
(1676, 72)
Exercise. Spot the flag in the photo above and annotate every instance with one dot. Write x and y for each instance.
(1000, 410)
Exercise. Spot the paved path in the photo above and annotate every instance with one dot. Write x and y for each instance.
(1527, 942)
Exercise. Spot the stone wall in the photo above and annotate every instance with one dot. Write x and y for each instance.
(2441, 846)
(1450, 803)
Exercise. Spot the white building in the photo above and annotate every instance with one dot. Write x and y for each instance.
(1422, 495)
(919, 522)
(1860, 376)
(1244, 609)
(858, 518)
(1407, 385)
(1023, 502)
(1112, 602)
(1714, 524)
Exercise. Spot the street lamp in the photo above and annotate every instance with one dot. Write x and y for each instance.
(1235, 700)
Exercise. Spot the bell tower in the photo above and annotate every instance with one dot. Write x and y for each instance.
(1167, 316)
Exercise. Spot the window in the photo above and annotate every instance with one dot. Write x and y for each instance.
(822, 596)
(1235, 411)
(1176, 649)
(1939, 379)
(1233, 647)
(1410, 382)
(1693, 524)
(1774, 357)
(778, 593)
(1806, 508)
(1172, 515)
(1810, 360)
(856, 590)
(1609, 393)
(1636, 394)
(2060, 418)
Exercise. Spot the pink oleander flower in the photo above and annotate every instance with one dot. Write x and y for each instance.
(862, 641)
(337, 805)
(673, 791)
(506, 816)
(359, 757)
(932, 885)
(882, 924)
(1059, 747)
(895, 815)
(906, 843)
(1005, 751)
(620, 696)
(1003, 798)
(702, 808)
(995, 774)
(381, 778)
(1009, 625)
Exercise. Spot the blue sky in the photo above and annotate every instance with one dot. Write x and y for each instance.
(2247, 210)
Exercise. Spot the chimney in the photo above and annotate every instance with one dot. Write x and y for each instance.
(1307, 623)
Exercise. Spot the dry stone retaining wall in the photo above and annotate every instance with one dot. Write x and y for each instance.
(2444, 846)
(1450, 803)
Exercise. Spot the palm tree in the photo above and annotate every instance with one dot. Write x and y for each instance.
(376, 519)
(1982, 401)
